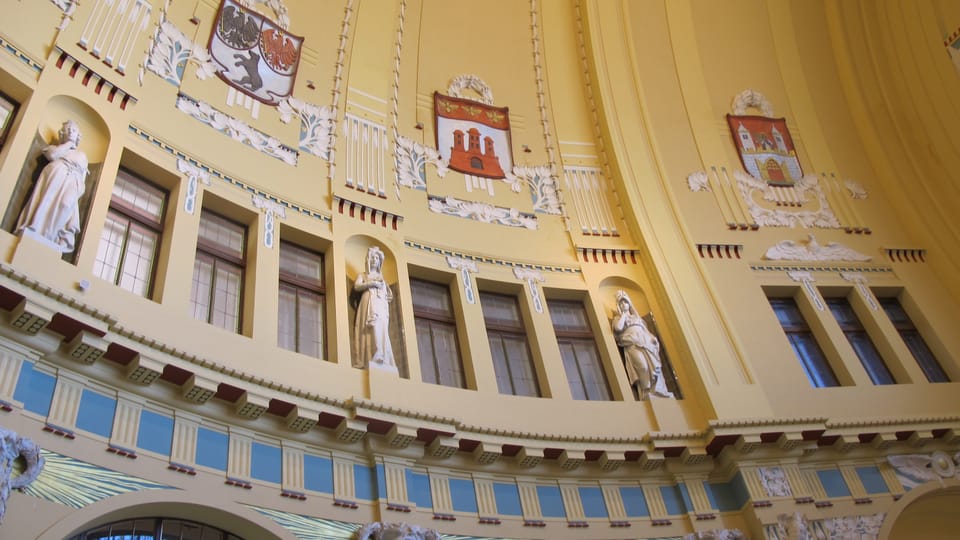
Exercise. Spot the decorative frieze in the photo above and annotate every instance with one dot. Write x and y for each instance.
(812, 250)
(482, 212)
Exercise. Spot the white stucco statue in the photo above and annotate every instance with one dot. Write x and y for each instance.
(395, 531)
(52, 212)
(371, 347)
(13, 446)
(641, 349)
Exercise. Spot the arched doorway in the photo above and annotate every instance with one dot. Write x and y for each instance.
(928, 511)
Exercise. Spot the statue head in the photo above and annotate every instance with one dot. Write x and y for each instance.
(624, 304)
(374, 259)
(69, 131)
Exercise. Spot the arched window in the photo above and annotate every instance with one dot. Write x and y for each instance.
(155, 528)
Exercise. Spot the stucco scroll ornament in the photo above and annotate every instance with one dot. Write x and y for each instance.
(194, 175)
(483, 212)
(805, 189)
(717, 534)
(170, 50)
(68, 7)
(371, 346)
(796, 526)
(915, 469)
(316, 125)
(52, 213)
(641, 349)
(811, 250)
(279, 9)
(473, 82)
(698, 181)
(543, 187)
(412, 159)
(466, 267)
(856, 190)
(751, 99)
(272, 210)
(13, 446)
(395, 531)
(532, 277)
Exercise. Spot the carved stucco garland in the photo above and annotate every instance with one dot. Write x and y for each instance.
(483, 212)
(822, 218)
(473, 82)
(811, 250)
(412, 159)
(748, 99)
(317, 125)
(532, 277)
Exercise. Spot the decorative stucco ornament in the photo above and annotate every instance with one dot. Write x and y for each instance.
(13, 446)
(856, 190)
(811, 250)
(916, 469)
(412, 159)
(542, 184)
(698, 181)
(483, 212)
(751, 99)
(717, 534)
(395, 531)
(774, 481)
(473, 82)
(803, 190)
(317, 125)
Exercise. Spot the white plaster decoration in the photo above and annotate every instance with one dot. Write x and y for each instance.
(473, 82)
(698, 181)
(271, 210)
(916, 469)
(395, 531)
(856, 190)
(588, 188)
(774, 481)
(472, 182)
(532, 277)
(795, 526)
(338, 81)
(804, 189)
(854, 527)
(806, 278)
(543, 187)
(811, 250)
(860, 281)
(316, 125)
(236, 129)
(538, 69)
(366, 150)
(112, 30)
(68, 7)
(483, 212)
(751, 99)
(466, 268)
(168, 52)
(194, 175)
(12, 447)
(412, 159)
(717, 534)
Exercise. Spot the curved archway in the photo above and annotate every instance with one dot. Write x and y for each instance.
(226, 515)
(927, 511)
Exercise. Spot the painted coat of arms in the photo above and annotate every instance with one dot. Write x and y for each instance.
(254, 54)
(473, 137)
(766, 148)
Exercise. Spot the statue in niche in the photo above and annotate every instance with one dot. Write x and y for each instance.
(641, 349)
(53, 211)
(12, 447)
(395, 531)
(371, 347)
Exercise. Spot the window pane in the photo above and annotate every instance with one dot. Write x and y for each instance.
(138, 261)
(301, 263)
(914, 341)
(501, 367)
(594, 380)
(222, 233)
(521, 367)
(569, 356)
(110, 248)
(860, 341)
(805, 346)
(200, 291)
(440, 361)
(581, 361)
(428, 369)
(139, 194)
(287, 318)
(500, 309)
(447, 355)
(226, 297)
(309, 323)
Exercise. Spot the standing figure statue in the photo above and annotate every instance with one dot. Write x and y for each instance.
(372, 324)
(641, 349)
(53, 211)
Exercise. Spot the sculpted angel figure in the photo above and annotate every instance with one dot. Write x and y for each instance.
(372, 324)
(641, 349)
(53, 209)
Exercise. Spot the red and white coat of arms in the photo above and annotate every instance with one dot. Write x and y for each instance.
(254, 54)
(766, 148)
(473, 137)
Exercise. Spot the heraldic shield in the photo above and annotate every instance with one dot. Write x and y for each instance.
(766, 148)
(253, 54)
(473, 137)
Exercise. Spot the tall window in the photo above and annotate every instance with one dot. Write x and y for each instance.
(130, 240)
(914, 341)
(436, 334)
(218, 271)
(300, 325)
(804, 344)
(857, 336)
(512, 362)
(578, 350)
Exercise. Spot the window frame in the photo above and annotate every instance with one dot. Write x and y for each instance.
(448, 320)
(804, 330)
(301, 283)
(513, 329)
(583, 335)
(214, 253)
(906, 325)
(866, 351)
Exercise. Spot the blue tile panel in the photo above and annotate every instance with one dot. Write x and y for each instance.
(463, 495)
(156, 432)
(265, 462)
(418, 489)
(35, 389)
(365, 482)
(318, 473)
(833, 483)
(728, 496)
(507, 497)
(872, 480)
(96, 413)
(593, 504)
(551, 502)
(212, 449)
(634, 502)
(381, 479)
(673, 499)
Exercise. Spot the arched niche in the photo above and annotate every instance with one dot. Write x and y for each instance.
(189, 505)
(94, 141)
(355, 254)
(928, 511)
